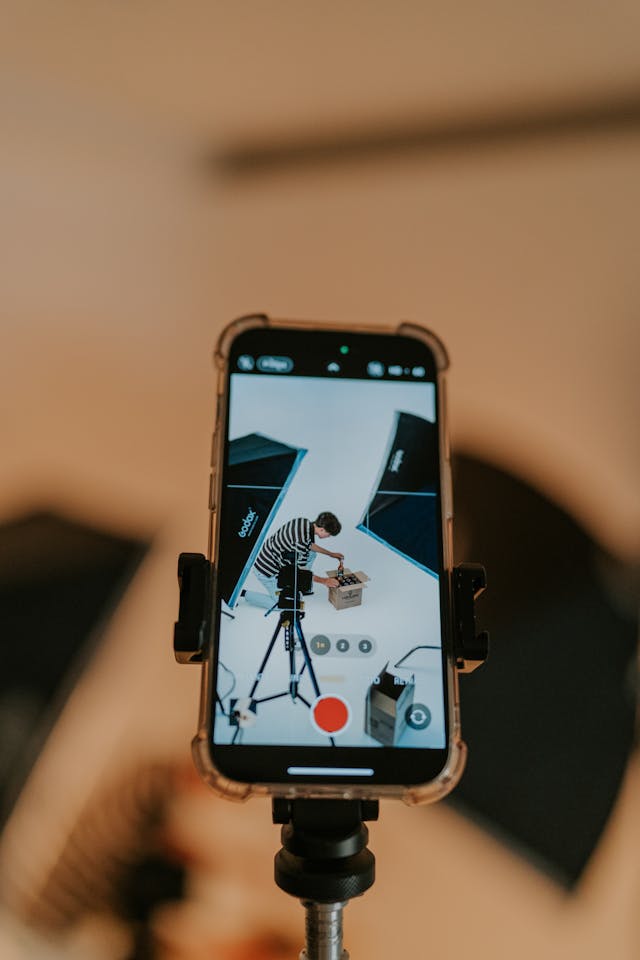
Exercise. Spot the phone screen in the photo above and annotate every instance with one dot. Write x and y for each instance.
(330, 653)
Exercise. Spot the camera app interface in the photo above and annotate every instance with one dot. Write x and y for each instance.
(329, 556)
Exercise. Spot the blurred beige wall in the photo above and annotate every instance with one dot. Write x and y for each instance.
(124, 253)
(127, 246)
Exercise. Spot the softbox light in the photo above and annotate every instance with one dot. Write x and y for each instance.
(259, 471)
(549, 719)
(402, 513)
(60, 582)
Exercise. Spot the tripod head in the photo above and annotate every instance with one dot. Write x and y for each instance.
(294, 582)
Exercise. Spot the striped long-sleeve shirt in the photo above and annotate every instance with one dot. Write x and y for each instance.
(296, 534)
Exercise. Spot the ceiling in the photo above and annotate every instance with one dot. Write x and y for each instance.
(221, 72)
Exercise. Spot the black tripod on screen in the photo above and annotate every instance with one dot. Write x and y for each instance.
(289, 623)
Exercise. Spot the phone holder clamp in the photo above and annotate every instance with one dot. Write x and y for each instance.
(191, 631)
(471, 649)
(195, 578)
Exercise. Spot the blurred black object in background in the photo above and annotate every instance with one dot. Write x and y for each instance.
(549, 720)
(59, 583)
(150, 883)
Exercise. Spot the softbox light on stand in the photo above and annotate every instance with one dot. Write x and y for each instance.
(402, 513)
(259, 471)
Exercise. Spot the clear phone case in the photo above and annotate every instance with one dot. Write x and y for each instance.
(411, 794)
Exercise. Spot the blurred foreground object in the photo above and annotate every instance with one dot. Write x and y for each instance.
(60, 581)
(128, 884)
(550, 719)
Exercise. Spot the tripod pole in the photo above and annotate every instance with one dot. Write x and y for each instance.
(323, 931)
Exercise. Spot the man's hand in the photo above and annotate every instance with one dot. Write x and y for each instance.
(337, 556)
(326, 581)
(331, 582)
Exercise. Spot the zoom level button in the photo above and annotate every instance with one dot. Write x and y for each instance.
(320, 644)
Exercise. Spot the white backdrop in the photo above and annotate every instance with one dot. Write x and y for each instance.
(345, 426)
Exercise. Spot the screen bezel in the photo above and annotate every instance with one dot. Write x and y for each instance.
(267, 764)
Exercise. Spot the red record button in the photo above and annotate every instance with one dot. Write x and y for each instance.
(330, 715)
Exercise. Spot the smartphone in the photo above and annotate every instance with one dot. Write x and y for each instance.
(330, 669)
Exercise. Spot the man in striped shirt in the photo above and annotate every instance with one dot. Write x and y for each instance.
(298, 535)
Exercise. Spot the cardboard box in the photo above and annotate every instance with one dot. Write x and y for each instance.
(350, 595)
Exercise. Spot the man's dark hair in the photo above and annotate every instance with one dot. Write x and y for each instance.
(329, 522)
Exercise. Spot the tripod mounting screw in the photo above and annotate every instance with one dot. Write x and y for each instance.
(282, 809)
(324, 856)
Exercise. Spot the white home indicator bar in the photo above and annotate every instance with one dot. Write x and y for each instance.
(330, 771)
